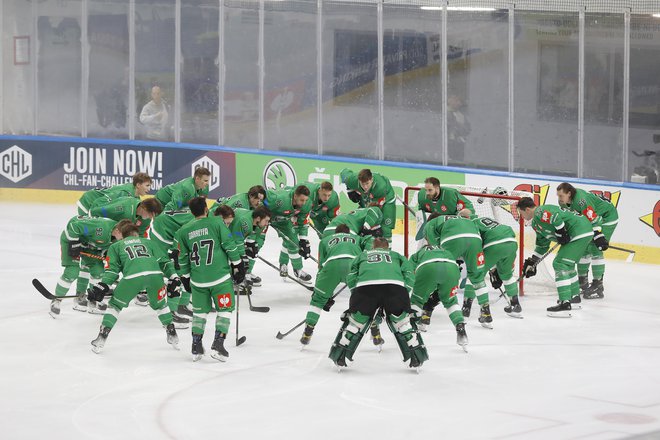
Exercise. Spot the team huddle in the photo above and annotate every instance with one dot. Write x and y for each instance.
(185, 259)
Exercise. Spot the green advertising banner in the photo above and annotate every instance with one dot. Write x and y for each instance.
(277, 172)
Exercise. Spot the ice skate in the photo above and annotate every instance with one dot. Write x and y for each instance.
(376, 337)
(80, 303)
(141, 299)
(96, 308)
(576, 302)
(302, 276)
(595, 291)
(284, 271)
(561, 310)
(55, 308)
(197, 347)
(99, 342)
(467, 306)
(461, 336)
(172, 337)
(514, 309)
(584, 284)
(184, 312)
(424, 320)
(255, 280)
(180, 322)
(307, 335)
(218, 350)
(485, 318)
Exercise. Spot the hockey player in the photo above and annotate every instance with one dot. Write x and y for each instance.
(336, 253)
(325, 204)
(209, 263)
(161, 233)
(140, 186)
(379, 278)
(372, 189)
(604, 218)
(142, 266)
(290, 208)
(461, 238)
(245, 226)
(176, 195)
(95, 235)
(436, 280)
(362, 221)
(137, 211)
(500, 250)
(573, 232)
(249, 200)
(443, 200)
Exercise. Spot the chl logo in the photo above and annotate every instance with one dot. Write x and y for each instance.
(15, 163)
(212, 166)
(279, 174)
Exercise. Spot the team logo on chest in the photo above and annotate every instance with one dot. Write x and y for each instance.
(443, 208)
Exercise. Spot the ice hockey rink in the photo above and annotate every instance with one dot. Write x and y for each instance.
(594, 376)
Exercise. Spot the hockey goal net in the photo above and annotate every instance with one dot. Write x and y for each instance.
(498, 204)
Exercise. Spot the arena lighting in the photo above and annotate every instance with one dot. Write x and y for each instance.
(656, 15)
(458, 8)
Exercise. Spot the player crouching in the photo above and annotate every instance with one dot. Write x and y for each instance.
(379, 278)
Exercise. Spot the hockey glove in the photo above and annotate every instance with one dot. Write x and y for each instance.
(304, 249)
(329, 304)
(238, 272)
(600, 241)
(562, 236)
(355, 196)
(185, 282)
(251, 248)
(495, 279)
(172, 287)
(174, 256)
(74, 250)
(529, 268)
(97, 291)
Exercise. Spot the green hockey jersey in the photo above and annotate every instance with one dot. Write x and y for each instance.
(380, 266)
(599, 211)
(164, 226)
(431, 254)
(357, 220)
(380, 193)
(342, 245)
(492, 232)
(135, 257)
(177, 195)
(449, 202)
(449, 227)
(206, 250)
(95, 232)
(280, 204)
(322, 213)
(549, 218)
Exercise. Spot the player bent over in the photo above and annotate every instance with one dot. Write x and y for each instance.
(500, 251)
(437, 276)
(95, 235)
(379, 278)
(604, 218)
(206, 251)
(573, 232)
(142, 266)
(336, 253)
(461, 238)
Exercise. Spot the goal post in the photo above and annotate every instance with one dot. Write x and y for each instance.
(499, 207)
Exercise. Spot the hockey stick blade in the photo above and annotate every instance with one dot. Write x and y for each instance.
(260, 309)
(281, 335)
(240, 340)
(45, 293)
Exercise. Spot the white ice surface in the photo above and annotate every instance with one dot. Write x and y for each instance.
(594, 376)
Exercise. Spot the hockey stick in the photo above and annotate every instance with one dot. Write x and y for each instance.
(311, 289)
(239, 340)
(248, 291)
(631, 253)
(552, 249)
(281, 335)
(310, 256)
(410, 210)
(46, 293)
(93, 256)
